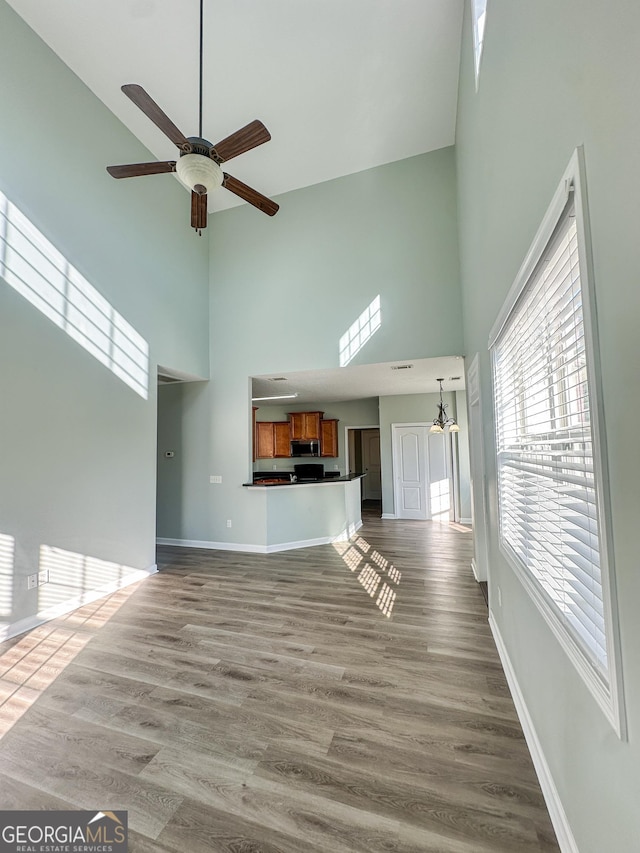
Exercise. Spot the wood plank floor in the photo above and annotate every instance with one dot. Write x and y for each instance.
(338, 698)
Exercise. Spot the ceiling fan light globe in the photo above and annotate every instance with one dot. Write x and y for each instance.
(194, 169)
(454, 428)
(435, 428)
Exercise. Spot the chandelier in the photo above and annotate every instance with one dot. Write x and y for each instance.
(442, 421)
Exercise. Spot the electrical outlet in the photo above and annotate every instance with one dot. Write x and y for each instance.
(32, 581)
(228, 522)
(215, 478)
(499, 597)
(43, 577)
(274, 467)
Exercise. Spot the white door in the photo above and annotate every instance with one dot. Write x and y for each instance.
(372, 484)
(410, 472)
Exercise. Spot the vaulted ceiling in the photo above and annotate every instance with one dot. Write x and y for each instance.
(342, 85)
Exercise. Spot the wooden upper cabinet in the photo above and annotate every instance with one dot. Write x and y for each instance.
(329, 438)
(265, 445)
(281, 439)
(305, 425)
(272, 439)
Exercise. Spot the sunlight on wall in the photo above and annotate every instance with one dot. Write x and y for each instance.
(32, 664)
(7, 546)
(359, 332)
(71, 575)
(39, 272)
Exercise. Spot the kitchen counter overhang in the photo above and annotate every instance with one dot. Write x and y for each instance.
(281, 483)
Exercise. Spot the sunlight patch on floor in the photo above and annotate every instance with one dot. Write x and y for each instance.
(371, 574)
(34, 662)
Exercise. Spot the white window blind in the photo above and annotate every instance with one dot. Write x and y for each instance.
(548, 501)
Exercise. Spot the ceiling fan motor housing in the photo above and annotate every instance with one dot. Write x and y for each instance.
(197, 169)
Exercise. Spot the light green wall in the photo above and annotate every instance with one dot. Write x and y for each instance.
(79, 473)
(331, 249)
(556, 75)
(348, 413)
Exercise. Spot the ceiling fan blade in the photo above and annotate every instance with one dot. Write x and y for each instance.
(149, 107)
(133, 170)
(198, 210)
(252, 196)
(254, 134)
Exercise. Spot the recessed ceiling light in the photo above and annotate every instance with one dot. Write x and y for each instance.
(278, 379)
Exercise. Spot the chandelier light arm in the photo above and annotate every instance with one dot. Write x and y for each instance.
(442, 421)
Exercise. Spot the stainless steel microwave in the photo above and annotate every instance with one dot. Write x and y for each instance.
(301, 447)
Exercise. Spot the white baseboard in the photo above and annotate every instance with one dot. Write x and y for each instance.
(31, 622)
(556, 811)
(261, 549)
(211, 546)
(388, 515)
(473, 568)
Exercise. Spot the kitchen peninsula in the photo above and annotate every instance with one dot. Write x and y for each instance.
(307, 513)
(301, 499)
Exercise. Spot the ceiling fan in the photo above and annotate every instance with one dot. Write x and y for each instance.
(198, 166)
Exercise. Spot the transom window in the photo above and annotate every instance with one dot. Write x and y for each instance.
(479, 17)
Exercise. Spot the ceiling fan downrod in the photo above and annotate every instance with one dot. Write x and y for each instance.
(201, 66)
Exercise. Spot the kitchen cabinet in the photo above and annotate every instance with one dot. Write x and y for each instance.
(329, 437)
(305, 425)
(272, 439)
(281, 439)
(265, 448)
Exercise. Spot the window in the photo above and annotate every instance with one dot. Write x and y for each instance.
(479, 17)
(552, 501)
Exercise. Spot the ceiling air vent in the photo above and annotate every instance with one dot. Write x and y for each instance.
(401, 366)
(278, 379)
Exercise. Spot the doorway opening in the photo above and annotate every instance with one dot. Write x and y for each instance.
(177, 393)
(363, 457)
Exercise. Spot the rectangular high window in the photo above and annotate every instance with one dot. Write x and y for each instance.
(479, 17)
(549, 441)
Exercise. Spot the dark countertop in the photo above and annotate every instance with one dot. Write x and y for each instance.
(280, 482)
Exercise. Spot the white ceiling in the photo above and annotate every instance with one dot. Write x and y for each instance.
(362, 381)
(342, 85)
